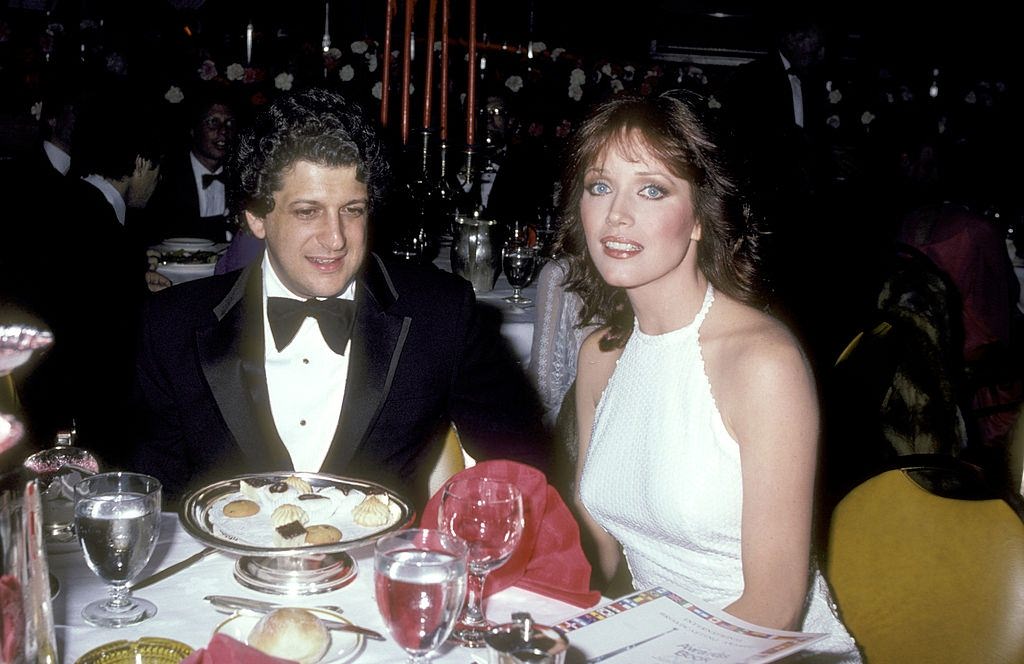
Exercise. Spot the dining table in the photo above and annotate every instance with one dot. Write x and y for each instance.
(184, 616)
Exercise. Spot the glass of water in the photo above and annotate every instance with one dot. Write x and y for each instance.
(117, 519)
(518, 260)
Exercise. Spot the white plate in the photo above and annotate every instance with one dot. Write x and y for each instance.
(187, 243)
(344, 645)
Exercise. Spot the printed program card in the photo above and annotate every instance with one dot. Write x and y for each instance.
(659, 626)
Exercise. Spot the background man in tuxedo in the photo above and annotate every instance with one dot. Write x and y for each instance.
(319, 356)
(190, 200)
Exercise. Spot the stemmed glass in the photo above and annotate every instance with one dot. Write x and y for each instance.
(420, 583)
(518, 259)
(117, 518)
(488, 514)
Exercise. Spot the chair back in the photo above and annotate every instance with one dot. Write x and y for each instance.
(451, 460)
(927, 565)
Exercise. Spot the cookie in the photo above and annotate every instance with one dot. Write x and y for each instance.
(240, 508)
(322, 534)
(290, 534)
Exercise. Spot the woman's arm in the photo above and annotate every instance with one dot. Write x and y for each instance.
(770, 405)
(593, 370)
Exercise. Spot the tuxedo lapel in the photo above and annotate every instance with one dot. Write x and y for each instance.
(377, 341)
(231, 355)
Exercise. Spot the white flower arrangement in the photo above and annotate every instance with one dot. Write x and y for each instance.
(628, 72)
(376, 90)
(514, 83)
(577, 77)
(208, 70)
(347, 73)
(174, 95)
(283, 81)
(713, 103)
(235, 72)
(607, 69)
(575, 91)
(36, 110)
(835, 96)
(557, 53)
(359, 47)
(971, 98)
(616, 85)
(371, 62)
(539, 46)
(334, 53)
(866, 118)
(833, 121)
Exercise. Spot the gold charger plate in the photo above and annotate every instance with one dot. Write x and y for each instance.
(147, 650)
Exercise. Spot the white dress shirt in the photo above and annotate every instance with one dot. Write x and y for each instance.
(211, 199)
(58, 158)
(798, 93)
(306, 382)
(112, 195)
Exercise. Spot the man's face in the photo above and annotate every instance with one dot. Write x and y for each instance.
(210, 137)
(316, 233)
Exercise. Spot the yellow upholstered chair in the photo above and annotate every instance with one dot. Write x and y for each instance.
(1016, 453)
(927, 565)
(452, 459)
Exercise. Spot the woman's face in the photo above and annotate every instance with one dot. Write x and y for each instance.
(638, 219)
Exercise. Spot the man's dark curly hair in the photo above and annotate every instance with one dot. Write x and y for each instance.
(668, 127)
(313, 125)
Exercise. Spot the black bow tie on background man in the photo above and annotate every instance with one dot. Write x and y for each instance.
(334, 315)
(208, 178)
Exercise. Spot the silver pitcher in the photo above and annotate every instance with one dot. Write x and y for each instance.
(476, 251)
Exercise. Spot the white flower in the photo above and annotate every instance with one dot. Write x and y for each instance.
(412, 88)
(598, 76)
(557, 52)
(607, 69)
(890, 98)
(576, 91)
(694, 72)
(577, 77)
(866, 118)
(628, 72)
(371, 63)
(539, 47)
(376, 90)
(906, 94)
(833, 121)
(514, 83)
(835, 96)
(704, 80)
(208, 70)
(347, 73)
(971, 98)
(714, 103)
(359, 47)
(942, 125)
(283, 81)
(174, 94)
(616, 85)
(437, 46)
(235, 72)
(36, 110)
(334, 52)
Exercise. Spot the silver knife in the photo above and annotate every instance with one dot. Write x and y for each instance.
(247, 605)
(173, 569)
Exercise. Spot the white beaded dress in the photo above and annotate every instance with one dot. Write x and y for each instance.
(662, 476)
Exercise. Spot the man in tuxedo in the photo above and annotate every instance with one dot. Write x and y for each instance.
(190, 199)
(319, 356)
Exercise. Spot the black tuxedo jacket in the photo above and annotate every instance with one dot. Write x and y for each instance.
(421, 357)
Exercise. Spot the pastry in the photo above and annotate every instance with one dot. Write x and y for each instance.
(292, 533)
(373, 511)
(241, 508)
(290, 633)
(320, 508)
(322, 533)
(288, 513)
(299, 484)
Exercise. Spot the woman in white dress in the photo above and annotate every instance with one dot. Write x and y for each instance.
(697, 411)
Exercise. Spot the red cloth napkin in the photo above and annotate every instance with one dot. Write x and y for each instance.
(223, 649)
(549, 559)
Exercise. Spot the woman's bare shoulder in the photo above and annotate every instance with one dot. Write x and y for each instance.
(595, 366)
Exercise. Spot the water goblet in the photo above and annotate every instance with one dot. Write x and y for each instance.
(488, 514)
(117, 519)
(420, 584)
(518, 261)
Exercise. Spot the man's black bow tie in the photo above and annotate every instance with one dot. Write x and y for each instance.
(208, 178)
(334, 315)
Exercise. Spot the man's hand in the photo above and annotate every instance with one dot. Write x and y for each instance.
(156, 281)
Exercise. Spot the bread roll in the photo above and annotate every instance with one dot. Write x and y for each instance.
(291, 634)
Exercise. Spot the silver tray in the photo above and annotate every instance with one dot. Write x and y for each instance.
(194, 514)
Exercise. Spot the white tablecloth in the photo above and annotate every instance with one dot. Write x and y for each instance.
(183, 615)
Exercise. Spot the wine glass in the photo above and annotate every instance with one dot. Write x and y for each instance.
(488, 514)
(518, 260)
(420, 583)
(117, 518)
